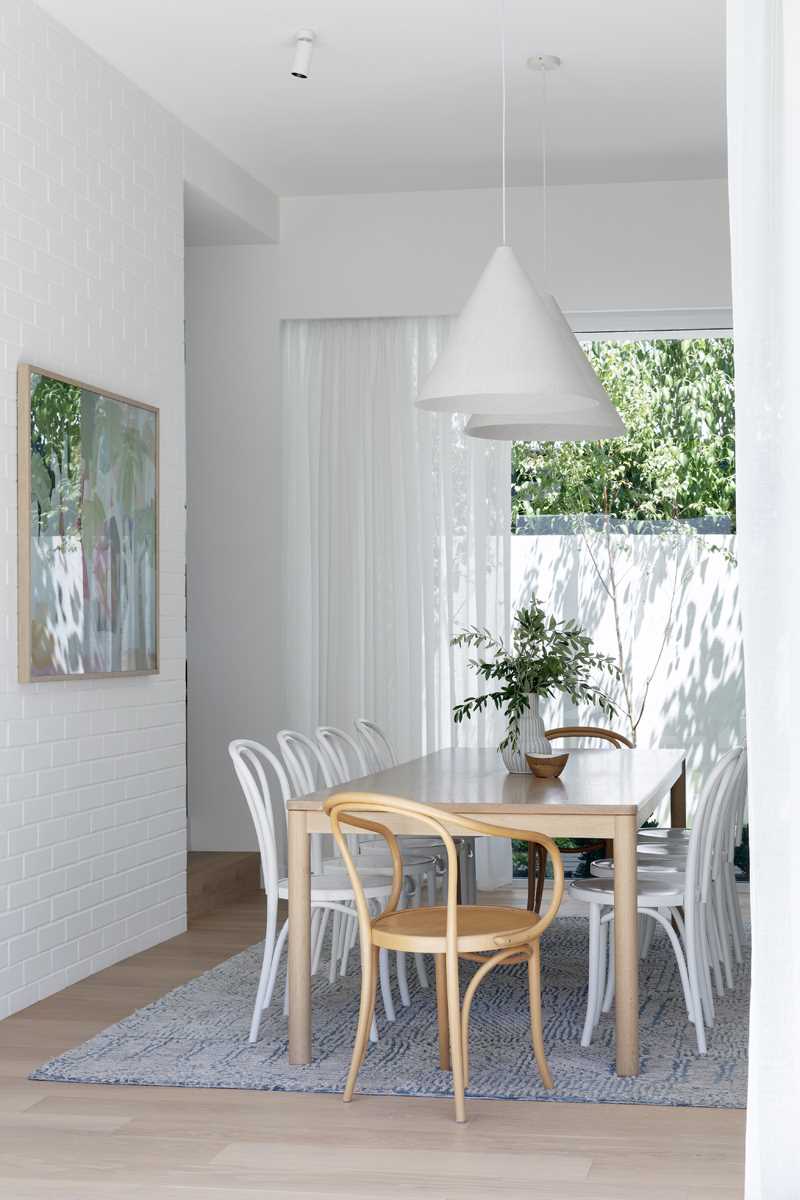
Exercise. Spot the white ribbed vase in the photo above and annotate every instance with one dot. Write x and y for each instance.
(531, 740)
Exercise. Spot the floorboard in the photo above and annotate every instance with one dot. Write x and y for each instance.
(80, 1142)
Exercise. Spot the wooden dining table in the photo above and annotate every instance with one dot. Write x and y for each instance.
(604, 794)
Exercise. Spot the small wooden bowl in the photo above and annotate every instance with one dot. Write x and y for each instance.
(547, 766)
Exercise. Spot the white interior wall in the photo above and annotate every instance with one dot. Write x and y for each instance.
(640, 247)
(92, 789)
(234, 528)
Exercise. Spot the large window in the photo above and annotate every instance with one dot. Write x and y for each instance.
(677, 461)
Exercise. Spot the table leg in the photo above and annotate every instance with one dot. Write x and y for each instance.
(677, 798)
(626, 946)
(299, 940)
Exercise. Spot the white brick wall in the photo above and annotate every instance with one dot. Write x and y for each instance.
(92, 778)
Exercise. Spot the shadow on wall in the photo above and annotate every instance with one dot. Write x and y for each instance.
(679, 631)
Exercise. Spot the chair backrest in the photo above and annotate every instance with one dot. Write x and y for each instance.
(360, 810)
(250, 762)
(345, 756)
(378, 747)
(309, 769)
(591, 732)
(307, 766)
(721, 833)
(713, 821)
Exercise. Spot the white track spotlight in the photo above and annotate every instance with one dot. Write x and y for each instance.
(304, 45)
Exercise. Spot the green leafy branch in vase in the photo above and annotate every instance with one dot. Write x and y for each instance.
(547, 658)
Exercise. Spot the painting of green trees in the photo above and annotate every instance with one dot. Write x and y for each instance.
(93, 536)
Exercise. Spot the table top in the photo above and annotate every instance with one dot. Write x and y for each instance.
(594, 781)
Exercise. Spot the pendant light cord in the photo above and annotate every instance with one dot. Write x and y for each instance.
(544, 180)
(503, 128)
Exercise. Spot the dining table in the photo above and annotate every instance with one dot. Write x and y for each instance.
(601, 794)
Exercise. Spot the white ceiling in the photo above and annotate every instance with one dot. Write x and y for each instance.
(403, 94)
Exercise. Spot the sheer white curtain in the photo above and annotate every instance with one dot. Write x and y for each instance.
(398, 532)
(764, 142)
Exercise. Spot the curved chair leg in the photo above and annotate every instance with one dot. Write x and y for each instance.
(317, 916)
(537, 1038)
(605, 938)
(336, 933)
(594, 973)
(710, 955)
(454, 1022)
(349, 941)
(401, 966)
(723, 932)
(326, 912)
(696, 955)
(369, 956)
(276, 958)
(737, 920)
(537, 868)
(419, 960)
(386, 986)
(714, 946)
(441, 1012)
(732, 906)
(684, 974)
(262, 1001)
(610, 978)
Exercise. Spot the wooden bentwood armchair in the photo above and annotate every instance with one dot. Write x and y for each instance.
(537, 859)
(486, 935)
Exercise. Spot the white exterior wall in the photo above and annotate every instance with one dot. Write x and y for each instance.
(92, 788)
(696, 699)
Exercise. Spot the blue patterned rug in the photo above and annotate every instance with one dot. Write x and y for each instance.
(196, 1036)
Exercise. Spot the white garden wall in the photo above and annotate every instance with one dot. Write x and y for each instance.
(92, 777)
(696, 698)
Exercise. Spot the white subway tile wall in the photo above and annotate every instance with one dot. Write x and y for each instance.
(92, 775)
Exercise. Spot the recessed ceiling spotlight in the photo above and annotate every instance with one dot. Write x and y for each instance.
(304, 44)
(544, 62)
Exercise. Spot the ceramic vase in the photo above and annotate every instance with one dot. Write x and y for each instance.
(531, 740)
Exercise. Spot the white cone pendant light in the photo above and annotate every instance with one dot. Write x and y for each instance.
(555, 423)
(511, 356)
(506, 354)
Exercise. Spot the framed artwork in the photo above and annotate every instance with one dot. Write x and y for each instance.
(88, 530)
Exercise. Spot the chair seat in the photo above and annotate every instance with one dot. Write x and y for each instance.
(668, 849)
(603, 868)
(665, 835)
(382, 857)
(479, 928)
(336, 885)
(650, 893)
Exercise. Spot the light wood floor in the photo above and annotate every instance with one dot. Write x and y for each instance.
(70, 1142)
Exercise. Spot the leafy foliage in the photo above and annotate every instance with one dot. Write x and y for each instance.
(547, 657)
(678, 459)
(55, 455)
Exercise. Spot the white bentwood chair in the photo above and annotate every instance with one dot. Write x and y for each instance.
(689, 898)
(423, 865)
(329, 893)
(380, 756)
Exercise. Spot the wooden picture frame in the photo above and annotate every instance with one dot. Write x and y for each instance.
(70, 659)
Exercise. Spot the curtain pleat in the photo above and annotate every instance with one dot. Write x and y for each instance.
(398, 533)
